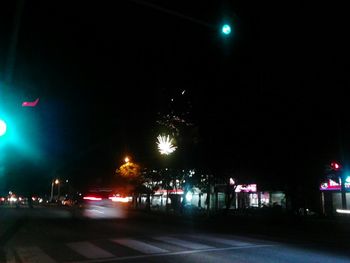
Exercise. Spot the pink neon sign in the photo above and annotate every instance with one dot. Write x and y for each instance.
(333, 185)
(245, 188)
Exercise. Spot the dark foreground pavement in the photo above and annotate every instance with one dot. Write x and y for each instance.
(96, 235)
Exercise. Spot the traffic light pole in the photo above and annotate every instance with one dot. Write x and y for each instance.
(343, 193)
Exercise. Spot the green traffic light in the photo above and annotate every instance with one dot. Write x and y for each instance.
(3, 127)
(226, 29)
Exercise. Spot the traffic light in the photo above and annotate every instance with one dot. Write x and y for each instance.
(335, 166)
(3, 127)
(226, 29)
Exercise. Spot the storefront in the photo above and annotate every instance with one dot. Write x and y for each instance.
(244, 196)
(248, 196)
(332, 202)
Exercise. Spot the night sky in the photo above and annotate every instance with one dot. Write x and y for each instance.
(269, 102)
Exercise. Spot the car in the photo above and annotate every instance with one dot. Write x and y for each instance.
(99, 197)
(98, 204)
(68, 202)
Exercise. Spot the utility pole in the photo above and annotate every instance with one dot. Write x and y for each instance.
(51, 197)
(55, 181)
(342, 159)
(343, 191)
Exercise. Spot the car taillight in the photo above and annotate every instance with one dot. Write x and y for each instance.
(92, 198)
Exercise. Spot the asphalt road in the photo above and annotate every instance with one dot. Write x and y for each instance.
(98, 234)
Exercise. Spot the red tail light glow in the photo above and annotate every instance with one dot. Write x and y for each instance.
(92, 198)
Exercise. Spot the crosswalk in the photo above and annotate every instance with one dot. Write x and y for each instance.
(115, 249)
(140, 246)
(89, 250)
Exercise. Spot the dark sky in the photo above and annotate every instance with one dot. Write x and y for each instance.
(268, 102)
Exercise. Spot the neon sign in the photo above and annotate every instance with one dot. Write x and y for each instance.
(245, 188)
(333, 185)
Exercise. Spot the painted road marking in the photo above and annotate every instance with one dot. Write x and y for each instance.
(89, 250)
(182, 243)
(140, 246)
(230, 242)
(169, 254)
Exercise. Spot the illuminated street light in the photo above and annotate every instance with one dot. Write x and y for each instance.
(126, 160)
(57, 182)
(165, 144)
(226, 29)
(189, 197)
(3, 127)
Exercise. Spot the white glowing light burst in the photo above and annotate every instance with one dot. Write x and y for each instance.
(165, 144)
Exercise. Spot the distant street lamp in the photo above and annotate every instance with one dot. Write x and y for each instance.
(57, 182)
(126, 160)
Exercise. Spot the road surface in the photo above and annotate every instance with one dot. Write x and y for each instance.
(54, 234)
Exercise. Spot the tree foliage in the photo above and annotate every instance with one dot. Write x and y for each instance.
(129, 170)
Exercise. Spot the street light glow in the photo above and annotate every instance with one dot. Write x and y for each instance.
(343, 211)
(226, 29)
(57, 181)
(3, 127)
(347, 179)
(126, 159)
(165, 144)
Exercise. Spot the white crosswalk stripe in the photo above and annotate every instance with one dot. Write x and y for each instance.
(225, 241)
(33, 254)
(140, 246)
(159, 245)
(182, 243)
(89, 250)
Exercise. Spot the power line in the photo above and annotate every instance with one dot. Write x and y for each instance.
(172, 12)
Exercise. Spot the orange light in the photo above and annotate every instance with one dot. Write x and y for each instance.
(119, 199)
